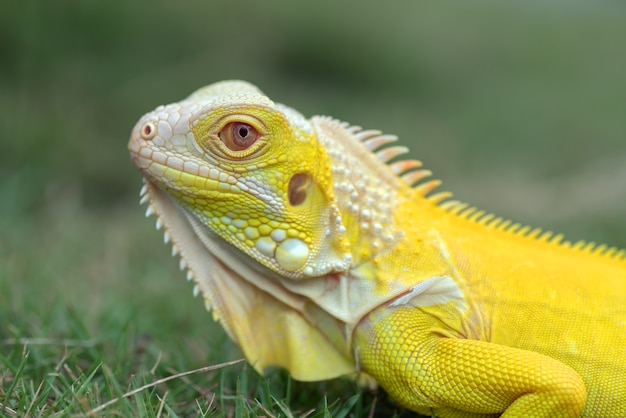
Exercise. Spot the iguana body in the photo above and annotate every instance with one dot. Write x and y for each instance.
(320, 257)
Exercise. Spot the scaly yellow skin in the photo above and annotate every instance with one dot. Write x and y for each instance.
(319, 257)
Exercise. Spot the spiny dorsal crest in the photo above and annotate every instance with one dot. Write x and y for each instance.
(411, 173)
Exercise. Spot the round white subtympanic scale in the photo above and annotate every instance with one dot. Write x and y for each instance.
(291, 254)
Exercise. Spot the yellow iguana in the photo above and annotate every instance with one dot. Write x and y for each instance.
(320, 256)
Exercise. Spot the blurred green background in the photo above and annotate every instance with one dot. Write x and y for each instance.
(519, 107)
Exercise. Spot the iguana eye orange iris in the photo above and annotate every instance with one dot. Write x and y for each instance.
(238, 136)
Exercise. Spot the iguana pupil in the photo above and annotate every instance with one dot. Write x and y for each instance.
(238, 136)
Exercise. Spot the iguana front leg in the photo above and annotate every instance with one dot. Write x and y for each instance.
(410, 353)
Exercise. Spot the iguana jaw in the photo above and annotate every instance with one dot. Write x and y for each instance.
(244, 306)
(200, 250)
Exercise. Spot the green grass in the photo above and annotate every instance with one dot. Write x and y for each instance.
(76, 380)
(79, 381)
(518, 106)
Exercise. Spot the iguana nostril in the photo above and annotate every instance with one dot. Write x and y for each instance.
(148, 130)
(297, 190)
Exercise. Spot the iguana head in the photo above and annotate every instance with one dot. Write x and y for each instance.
(279, 220)
(253, 173)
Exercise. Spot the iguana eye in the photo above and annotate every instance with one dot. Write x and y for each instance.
(238, 136)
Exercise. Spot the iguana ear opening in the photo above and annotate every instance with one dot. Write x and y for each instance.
(324, 248)
(298, 188)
